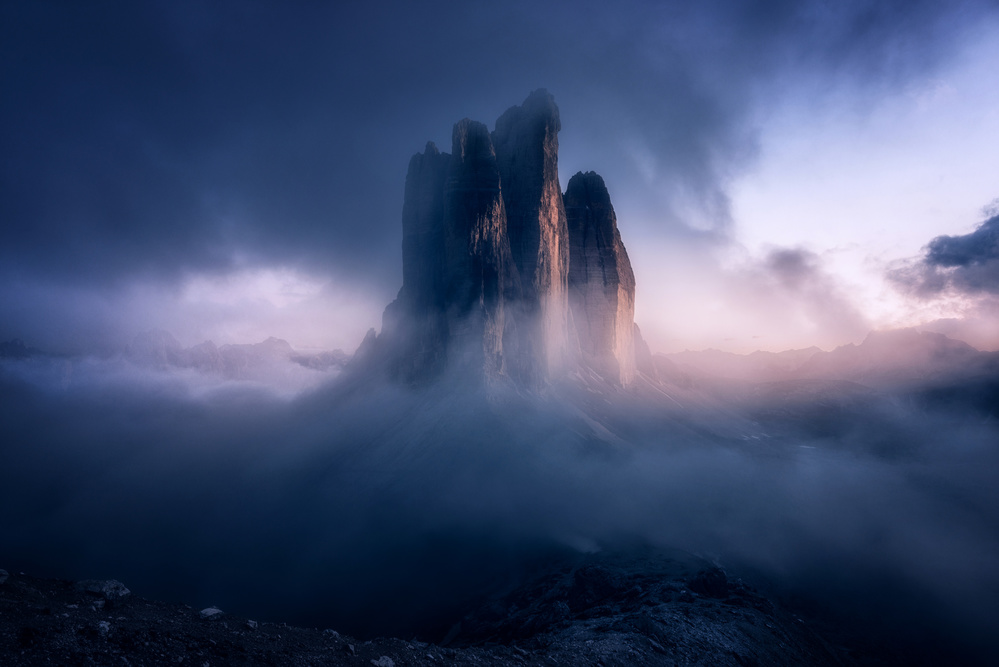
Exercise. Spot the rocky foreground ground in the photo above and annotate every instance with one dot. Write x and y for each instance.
(591, 612)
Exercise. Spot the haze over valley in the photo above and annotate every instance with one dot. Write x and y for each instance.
(554, 386)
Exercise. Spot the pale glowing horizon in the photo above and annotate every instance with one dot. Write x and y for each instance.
(859, 181)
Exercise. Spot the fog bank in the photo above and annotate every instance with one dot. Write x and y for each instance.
(382, 510)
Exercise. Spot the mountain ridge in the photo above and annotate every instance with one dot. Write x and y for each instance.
(884, 359)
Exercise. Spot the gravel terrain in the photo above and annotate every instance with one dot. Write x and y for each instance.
(594, 611)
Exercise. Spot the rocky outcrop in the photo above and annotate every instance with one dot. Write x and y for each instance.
(601, 282)
(492, 261)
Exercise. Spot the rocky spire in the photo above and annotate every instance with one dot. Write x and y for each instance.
(502, 274)
(423, 227)
(414, 327)
(526, 141)
(479, 274)
(601, 282)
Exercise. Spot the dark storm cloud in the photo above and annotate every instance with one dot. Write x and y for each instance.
(146, 139)
(973, 257)
(967, 264)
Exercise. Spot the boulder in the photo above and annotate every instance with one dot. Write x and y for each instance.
(211, 612)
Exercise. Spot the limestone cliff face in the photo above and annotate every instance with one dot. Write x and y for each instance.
(503, 275)
(601, 282)
(526, 140)
(416, 322)
(479, 275)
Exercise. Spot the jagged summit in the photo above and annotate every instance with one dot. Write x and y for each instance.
(503, 274)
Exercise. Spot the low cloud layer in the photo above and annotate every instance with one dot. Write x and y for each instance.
(162, 162)
(800, 275)
(784, 299)
(243, 306)
(380, 510)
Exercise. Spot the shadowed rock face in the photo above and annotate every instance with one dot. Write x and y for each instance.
(479, 275)
(423, 227)
(601, 282)
(488, 272)
(414, 325)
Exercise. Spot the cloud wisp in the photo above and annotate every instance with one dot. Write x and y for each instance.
(784, 299)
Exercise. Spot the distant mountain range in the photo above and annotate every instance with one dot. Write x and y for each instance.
(159, 349)
(885, 359)
(866, 395)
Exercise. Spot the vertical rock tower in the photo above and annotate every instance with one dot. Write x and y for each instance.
(526, 140)
(480, 278)
(503, 275)
(601, 282)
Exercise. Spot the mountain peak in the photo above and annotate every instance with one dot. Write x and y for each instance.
(498, 276)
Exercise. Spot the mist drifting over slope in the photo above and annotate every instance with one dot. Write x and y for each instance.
(235, 172)
(383, 510)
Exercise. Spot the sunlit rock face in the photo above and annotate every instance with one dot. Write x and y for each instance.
(526, 140)
(491, 262)
(601, 282)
